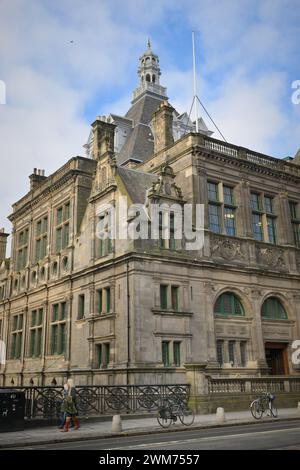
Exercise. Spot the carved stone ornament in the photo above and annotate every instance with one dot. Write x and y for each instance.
(272, 257)
(227, 249)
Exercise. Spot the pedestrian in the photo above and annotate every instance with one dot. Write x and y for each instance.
(69, 406)
(62, 412)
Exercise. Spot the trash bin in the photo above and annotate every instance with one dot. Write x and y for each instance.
(12, 408)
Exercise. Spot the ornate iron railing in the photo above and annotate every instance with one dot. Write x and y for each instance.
(45, 402)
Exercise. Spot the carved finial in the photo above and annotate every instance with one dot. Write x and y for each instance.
(149, 43)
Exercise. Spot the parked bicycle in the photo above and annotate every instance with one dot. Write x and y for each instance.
(264, 405)
(171, 412)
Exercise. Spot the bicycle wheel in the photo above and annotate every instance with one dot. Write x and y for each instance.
(274, 410)
(187, 417)
(164, 418)
(256, 409)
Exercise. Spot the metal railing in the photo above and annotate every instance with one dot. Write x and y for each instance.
(45, 402)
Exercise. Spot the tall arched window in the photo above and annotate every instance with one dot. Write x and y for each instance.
(228, 304)
(153, 78)
(273, 309)
(148, 78)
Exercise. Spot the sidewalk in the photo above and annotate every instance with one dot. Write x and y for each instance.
(97, 430)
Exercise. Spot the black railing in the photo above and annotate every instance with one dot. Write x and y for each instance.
(45, 402)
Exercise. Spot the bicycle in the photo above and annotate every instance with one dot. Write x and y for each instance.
(264, 404)
(170, 412)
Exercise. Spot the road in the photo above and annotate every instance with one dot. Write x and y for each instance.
(280, 435)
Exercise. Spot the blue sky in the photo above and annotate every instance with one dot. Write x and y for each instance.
(248, 55)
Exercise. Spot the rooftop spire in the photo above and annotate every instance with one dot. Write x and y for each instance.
(149, 43)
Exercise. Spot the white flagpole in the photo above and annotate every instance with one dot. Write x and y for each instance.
(195, 82)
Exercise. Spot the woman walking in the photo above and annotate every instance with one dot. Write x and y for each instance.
(69, 406)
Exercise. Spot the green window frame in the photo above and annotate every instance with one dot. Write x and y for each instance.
(81, 306)
(99, 300)
(228, 304)
(108, 299)
(228, 195)
(16, 336)
(232, 352)
(176, 352)
(273, 309)
(166, 353)
(62, 227)
(175, 297)
(269, 205)
(58, 329)
(220, 352)
(163, 296)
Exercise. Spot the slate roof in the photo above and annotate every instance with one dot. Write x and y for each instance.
(136, 183)
(140, 143)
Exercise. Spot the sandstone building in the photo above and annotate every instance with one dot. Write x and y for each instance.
(119, 311)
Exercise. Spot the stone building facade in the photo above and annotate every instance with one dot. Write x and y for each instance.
(123, 311)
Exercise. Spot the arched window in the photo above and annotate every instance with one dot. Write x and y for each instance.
(148, 78)
(228, 304)
(153, 78)
(273, 309)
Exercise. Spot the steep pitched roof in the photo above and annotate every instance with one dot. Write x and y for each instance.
(139, 144)
(136, 183)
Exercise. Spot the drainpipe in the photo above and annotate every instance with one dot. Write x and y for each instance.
(128, 323)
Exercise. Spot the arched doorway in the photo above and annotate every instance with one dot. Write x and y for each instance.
(276, 352)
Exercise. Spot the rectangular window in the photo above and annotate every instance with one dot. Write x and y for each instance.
(213, 192)
(214, 218)
(293, 209)
(80, 306)
(243, 346)
(63, 307)
(271, 229)
(108, 299)
(228, 195)
(165, 353)
(58, 329)
(176, 351)
(22, 250)
(163, 297)
(269, 205)
(54, 339)
(106, 357)
(257, 227)
(55, 309)
(16, 336)
(255, 202)
(220, 352)
(99, 355)
(295, 222)
(62, 227)
(296, 232)
(99, 300)
(229, 221)
(231, 352)
(175, 297)
(41, 239)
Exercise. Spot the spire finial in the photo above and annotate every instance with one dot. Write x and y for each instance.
(149, 43)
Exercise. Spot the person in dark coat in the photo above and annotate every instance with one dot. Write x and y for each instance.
(69, 406)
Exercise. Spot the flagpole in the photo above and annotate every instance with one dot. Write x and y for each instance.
(195, 82)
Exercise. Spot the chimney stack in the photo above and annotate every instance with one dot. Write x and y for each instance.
(37, 177)
(163, 127)
(104, 137)
(3, 242)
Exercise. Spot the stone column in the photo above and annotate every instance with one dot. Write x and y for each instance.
(257, 336)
